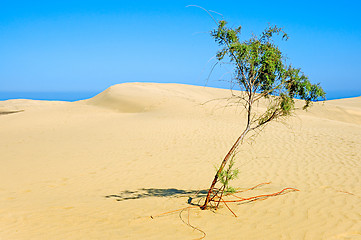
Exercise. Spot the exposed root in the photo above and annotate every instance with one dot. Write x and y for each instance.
(218, 197)
(180, 216)
(174, 211)
(253, 187)
(228, 207)
(260, 196)
(188, 224)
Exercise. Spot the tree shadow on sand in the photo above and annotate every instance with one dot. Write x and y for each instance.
(156, 192)
(198, 195)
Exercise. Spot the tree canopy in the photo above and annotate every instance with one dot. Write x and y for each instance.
(260, 70)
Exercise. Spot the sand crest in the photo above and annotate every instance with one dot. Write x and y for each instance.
(99, 168)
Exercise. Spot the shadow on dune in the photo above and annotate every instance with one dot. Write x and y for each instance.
(10, 112)
(154, 192)
(196, 195)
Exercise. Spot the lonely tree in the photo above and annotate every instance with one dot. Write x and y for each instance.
(261, 72)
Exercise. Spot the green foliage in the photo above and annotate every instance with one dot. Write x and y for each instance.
(261, 71)
(286, 104)
(226, 175)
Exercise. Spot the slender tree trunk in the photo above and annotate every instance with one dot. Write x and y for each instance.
(224, 162)
(232, 150)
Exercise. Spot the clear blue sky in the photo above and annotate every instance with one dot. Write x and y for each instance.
(60, 46)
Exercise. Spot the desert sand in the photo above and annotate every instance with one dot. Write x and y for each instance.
(99, 168)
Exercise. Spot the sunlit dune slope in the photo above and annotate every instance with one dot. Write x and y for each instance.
(99, 168)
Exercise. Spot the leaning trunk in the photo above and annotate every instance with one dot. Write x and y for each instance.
(231, 151)
(224, 162)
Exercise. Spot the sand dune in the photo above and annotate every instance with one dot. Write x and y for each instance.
(99, 168)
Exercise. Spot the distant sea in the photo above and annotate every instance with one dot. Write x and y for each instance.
(76, 96)
(331, 95)
(50, 96)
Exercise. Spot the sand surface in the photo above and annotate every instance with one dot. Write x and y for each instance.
(99, 168)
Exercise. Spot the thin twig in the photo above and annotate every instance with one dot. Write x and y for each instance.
(205, 11)
(188, 224)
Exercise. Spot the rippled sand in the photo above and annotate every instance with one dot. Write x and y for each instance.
(99, 168)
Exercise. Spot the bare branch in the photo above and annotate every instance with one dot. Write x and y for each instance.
(210, 73)
(205, 11)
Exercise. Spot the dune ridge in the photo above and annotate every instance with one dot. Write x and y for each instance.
(99, 168)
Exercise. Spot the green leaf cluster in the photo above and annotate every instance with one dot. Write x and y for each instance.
(260, 69)
(226, 175)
